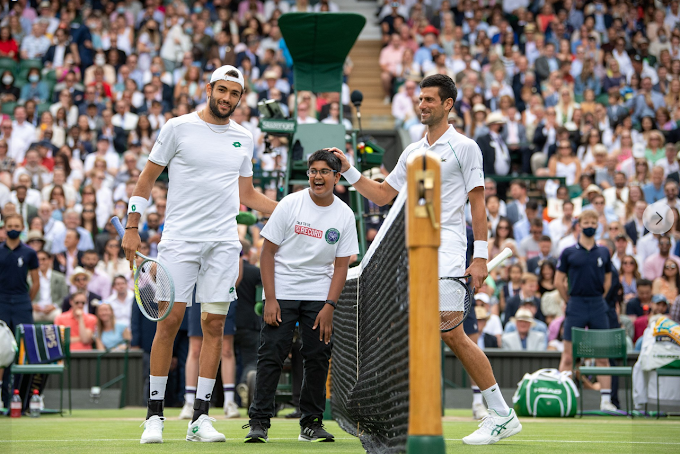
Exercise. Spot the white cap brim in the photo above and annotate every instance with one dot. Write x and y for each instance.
(221, 74)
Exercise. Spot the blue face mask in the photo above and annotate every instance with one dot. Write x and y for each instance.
(589, 231)
(33, 78)
(13, 234)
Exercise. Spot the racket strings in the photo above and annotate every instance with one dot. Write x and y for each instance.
(153, 288)
(454, 303)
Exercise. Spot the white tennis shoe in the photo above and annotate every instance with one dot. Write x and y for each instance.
(494, 428)
(479, 411)
(231, 410)
(187, 411)
(153, 430)
(203, 430)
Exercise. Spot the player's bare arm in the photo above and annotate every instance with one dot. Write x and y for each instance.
(143, 187)
(253, 199)
(607, 284)
(324, 320)
(477, 268)
(562, 286)
(378, 193)
(272, 310)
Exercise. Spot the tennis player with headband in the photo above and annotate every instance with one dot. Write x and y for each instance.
(462, 177)
(209, 160)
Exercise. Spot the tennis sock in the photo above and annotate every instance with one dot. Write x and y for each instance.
(157, 387)
(205, 388)
(228, 393)
(190, 394)
(476, 396)
(494, 400)
(605, 396)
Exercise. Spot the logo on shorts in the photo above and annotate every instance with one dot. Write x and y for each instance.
(154, 393)
(332, 236)
(237, 144)
(231, 290)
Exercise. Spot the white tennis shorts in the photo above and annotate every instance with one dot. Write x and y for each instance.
(211, 266)
(450, 265)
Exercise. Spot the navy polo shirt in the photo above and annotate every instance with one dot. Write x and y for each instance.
(585, 269)
(14, 267)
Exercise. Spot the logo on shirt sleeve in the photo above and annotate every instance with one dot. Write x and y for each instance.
(332, 236)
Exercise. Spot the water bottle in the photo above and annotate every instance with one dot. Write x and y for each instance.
(34, 405)
(15, 405)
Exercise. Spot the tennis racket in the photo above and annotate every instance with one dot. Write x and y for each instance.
(154, 287)
(455, 298)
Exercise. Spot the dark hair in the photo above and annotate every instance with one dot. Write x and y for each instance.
(91, 251)
(43, 251)
(521, 183)
(644, 283)
(74, 231)
(326, 156)
(118, 276)
(545, 237)
(446, 86)
(536, 222)
(532, 205)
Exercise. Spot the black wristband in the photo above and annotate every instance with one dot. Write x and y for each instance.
(331, 302)
(126, 228)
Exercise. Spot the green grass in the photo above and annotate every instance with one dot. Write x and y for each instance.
(105, 431)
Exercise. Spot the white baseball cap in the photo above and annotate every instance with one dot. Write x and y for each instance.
(221, 74)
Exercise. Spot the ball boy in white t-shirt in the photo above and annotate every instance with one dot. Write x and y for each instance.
(308, 243)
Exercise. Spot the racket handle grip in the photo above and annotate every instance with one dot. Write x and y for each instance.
(500, 258)
(119, 227)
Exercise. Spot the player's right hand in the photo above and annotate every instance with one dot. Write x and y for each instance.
(272, 312)
(131, 242)
(344, 163)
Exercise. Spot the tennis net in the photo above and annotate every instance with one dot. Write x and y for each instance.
(370, 366)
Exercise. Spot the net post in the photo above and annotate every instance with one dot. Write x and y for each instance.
(423, 208)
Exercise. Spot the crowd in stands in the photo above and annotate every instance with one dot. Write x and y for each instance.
(585, 92)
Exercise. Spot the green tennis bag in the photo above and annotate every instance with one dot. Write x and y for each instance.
(547, 393)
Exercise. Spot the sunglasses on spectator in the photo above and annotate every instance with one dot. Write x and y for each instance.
(670, 267)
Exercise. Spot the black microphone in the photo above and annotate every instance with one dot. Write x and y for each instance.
(357, 98)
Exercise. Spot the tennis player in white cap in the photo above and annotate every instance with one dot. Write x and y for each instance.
(209, 160)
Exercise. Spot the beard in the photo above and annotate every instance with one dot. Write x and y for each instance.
(215, 110)
(433, 119)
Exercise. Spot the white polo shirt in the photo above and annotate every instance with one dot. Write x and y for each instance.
(309, 237)
(204, 165)
(462, 170)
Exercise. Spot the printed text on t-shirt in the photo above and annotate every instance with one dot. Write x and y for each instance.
(302, 230)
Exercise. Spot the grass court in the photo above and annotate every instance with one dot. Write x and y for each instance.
(107, 431)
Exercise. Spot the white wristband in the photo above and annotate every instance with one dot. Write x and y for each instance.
(481, 250)
(137, 205)
(352, 175)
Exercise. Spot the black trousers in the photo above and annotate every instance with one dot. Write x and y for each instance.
(275, 344)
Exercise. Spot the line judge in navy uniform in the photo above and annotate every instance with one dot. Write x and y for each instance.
(16, 261)
(583, 278)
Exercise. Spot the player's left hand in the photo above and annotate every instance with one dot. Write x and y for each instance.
(324, 320)
(477, 270)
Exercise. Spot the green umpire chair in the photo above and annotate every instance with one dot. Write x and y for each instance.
(61, 367)
(601, 343)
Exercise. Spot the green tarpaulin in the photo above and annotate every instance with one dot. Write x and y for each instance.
(319, 44)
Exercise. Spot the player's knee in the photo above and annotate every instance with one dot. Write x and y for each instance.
(213, 326)
(195, 346)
